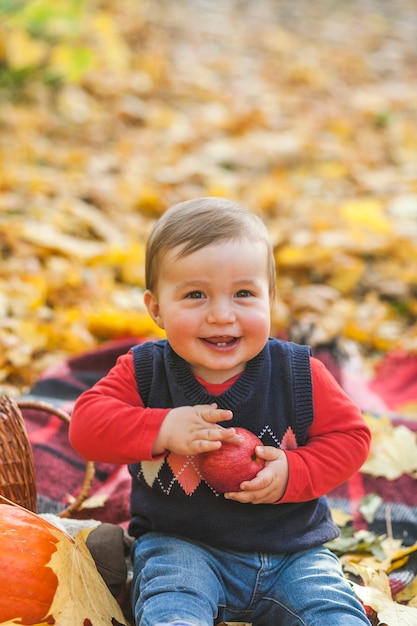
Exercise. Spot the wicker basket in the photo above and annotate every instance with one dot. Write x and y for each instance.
(17, 472)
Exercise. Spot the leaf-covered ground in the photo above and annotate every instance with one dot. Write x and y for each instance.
(306, 112)
(111, 111)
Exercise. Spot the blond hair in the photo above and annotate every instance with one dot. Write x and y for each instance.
(195, 224)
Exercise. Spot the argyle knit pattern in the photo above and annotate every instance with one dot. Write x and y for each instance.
(273, 399)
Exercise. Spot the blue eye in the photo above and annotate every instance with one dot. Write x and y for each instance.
(244, 293)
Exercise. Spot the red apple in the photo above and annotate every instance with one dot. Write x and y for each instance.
(228, 466)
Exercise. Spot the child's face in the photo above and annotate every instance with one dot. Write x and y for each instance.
(214, 305)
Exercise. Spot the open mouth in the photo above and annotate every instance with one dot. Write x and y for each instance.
(221, 342)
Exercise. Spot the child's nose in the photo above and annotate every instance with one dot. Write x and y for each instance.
(221, 312)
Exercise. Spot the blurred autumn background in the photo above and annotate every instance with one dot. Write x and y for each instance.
(306, 112)
(112, 110)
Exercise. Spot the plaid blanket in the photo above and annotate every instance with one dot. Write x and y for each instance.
(60, 470)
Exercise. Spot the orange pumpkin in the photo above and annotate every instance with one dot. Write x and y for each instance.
(27, 584)
(46, 577)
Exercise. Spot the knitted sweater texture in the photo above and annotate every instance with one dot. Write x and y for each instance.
(272, 398)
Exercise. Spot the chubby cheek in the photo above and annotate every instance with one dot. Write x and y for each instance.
(184, 341)
(257, 325)
(180, 327)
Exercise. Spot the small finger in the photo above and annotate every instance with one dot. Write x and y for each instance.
(204, 445)
(213, 415)
(231, 436)
(239, 496)
(269, 453)
(246, 497)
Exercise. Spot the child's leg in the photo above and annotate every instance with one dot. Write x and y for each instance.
(176, 623)
(307, 588)
(193, 585)
(172, 581)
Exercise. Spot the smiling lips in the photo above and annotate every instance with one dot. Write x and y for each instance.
(221, 342)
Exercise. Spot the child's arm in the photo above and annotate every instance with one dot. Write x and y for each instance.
(110, 424)
(337, 445)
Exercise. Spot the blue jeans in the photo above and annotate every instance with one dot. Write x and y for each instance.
(178, 579)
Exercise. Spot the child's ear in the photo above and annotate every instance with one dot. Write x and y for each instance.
(151, 303)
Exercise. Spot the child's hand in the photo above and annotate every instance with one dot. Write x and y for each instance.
(194, 429)
(269, 484)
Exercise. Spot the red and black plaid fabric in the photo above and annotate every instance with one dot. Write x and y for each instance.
(59, 469)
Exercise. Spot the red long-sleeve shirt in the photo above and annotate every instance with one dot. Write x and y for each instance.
(111, 424)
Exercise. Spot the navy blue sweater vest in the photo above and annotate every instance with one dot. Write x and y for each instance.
(273, 394)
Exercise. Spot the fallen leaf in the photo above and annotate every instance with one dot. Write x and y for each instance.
(393, 451)
(76, 593)
(94, 502)
(376, 593)
(81, 594)
(408, 595)
(341, 518)
(369, 506)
